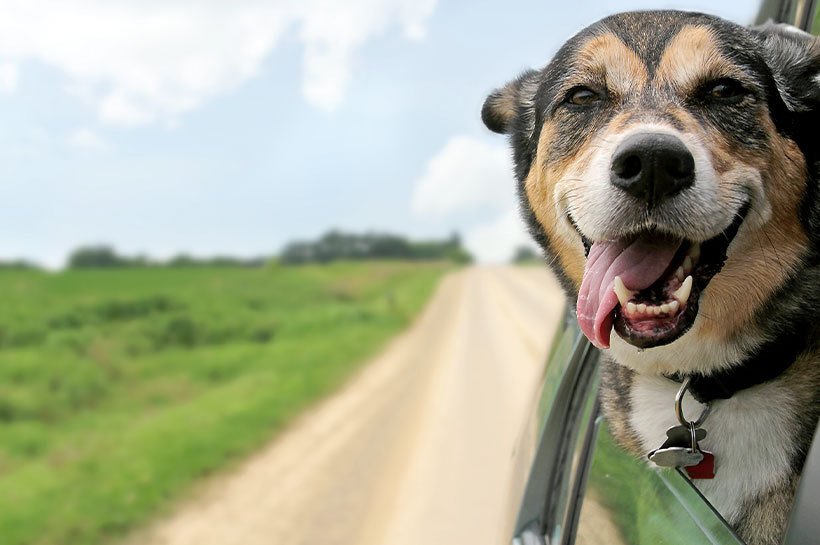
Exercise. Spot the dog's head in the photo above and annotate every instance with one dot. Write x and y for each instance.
(663, 153)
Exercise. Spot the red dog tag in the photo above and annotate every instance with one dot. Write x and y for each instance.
(705, 469)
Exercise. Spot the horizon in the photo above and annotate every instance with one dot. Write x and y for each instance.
(146, 259)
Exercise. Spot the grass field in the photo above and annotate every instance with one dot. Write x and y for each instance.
(119, 388)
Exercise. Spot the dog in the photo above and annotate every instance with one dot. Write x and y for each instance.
(667, 163)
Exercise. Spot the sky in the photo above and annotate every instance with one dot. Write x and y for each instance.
(215, 127)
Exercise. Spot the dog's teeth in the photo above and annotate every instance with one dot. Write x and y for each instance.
(679, 274)
(656, 310)
(624, 294)
(665, 308)
(673, 306)
(682, 294)
(642, 308)
(631, 308)
(687, 264)
(694, 252)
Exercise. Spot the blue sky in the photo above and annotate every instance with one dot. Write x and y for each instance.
(234, 127)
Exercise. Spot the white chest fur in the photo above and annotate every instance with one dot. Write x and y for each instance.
(751, 436)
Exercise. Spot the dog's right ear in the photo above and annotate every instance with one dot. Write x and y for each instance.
(513, 101)
(794, 58)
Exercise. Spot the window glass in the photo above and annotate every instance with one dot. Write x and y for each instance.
(627, 502)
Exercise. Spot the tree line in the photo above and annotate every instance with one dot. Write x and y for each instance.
(103, 256)
(332, 246)
(338, 245)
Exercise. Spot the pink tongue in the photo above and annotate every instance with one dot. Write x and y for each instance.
(639, 264)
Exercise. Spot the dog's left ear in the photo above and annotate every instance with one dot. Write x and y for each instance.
(510, 103)
(794, 59)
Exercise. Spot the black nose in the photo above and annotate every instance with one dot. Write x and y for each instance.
(652, 167)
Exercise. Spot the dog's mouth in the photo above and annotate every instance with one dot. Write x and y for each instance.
(648, 285)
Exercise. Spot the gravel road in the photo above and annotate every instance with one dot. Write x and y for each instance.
(414, 450)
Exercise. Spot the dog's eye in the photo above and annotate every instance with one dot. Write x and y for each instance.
(583, 96)
(725, 90)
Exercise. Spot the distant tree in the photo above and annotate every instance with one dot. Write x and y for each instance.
(17, 264)
(336, 245)
(525, 254)
(185, 260)
(181, 260)
(297, 253)
(103, 256)
(94, 257)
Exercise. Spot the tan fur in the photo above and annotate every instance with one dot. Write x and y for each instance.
(616, 380)
(768, 254)
(621, 122)
(692, 57)
(540, 189)
(623, 71)
(504, 104)
(769, 514)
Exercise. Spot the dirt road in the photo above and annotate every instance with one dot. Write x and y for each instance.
(415, 450)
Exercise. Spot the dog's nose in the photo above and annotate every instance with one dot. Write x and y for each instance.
(652, 167)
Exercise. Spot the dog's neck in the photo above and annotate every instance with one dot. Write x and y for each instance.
(766, 363)
(718, 369)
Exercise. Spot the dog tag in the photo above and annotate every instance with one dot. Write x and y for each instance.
(681, 436)
(679, 450)
(705, 469)
(676, 457)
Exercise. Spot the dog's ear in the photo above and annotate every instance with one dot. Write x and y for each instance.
(794, 59)
(514, 101)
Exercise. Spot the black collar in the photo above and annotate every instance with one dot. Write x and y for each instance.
(767, 363)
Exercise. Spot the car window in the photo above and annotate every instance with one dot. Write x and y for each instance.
(800, 13)
(556, 445)
(627, 502)
(585, 489)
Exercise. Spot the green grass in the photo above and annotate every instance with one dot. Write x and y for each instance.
(118, 389)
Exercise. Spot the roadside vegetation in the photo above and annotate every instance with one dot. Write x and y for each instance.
(527, 255)
(120, 387)
(336, 245)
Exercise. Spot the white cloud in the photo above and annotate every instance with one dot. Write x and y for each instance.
(471, 176)
(140, 61)
(333, 30)
(496, 240)
(8, 77)
(86, 139)
(466, 174)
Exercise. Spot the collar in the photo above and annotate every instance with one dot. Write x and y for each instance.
(769, 361)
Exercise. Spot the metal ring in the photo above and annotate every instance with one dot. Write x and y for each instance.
(679, 406)
(694, 432)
